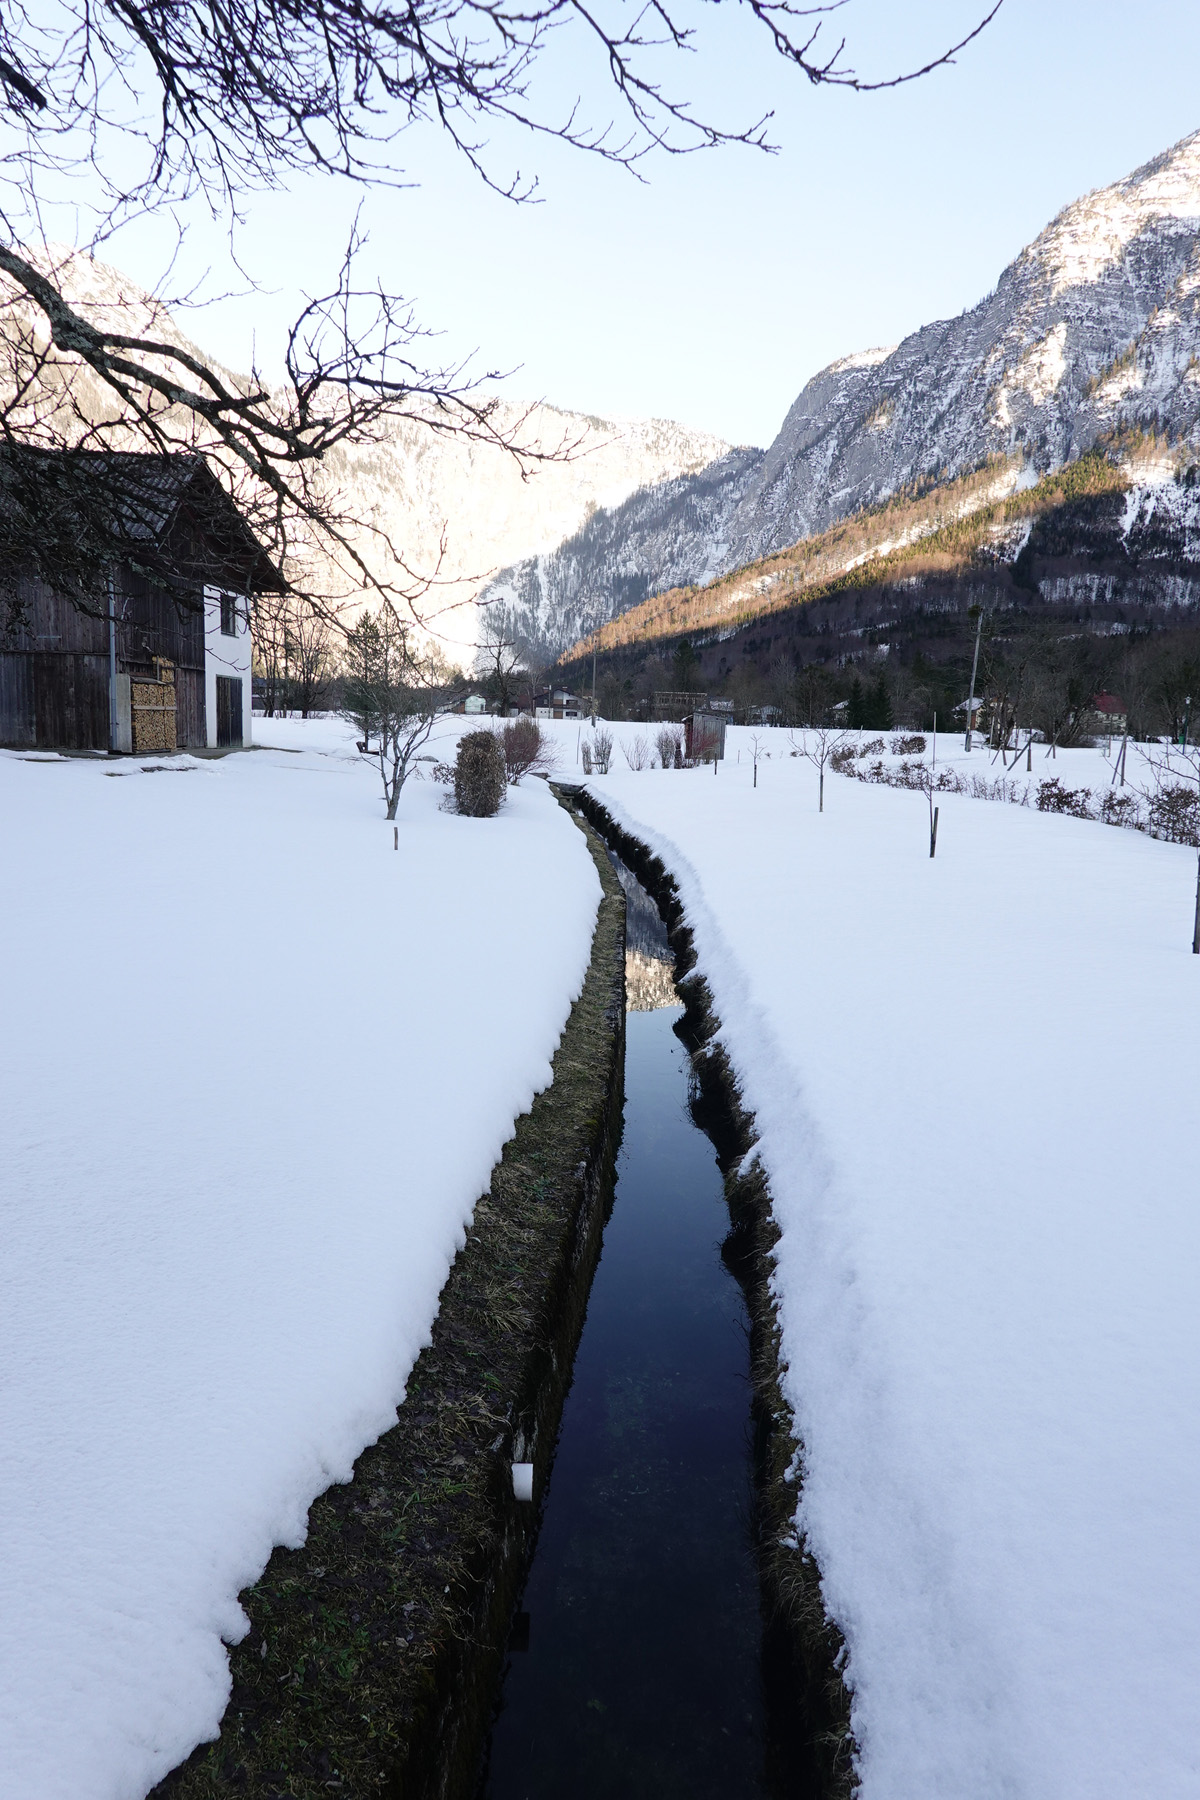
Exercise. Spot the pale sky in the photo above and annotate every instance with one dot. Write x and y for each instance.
(712, 292)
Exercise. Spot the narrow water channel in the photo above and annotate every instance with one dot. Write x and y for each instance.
(635, 1669)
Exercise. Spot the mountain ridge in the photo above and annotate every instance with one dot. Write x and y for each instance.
(1094, 328)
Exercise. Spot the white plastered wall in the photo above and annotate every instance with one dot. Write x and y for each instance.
(225, 656)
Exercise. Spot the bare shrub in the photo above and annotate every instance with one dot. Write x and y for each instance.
(1053, 797)
(636, 752)
(479, 775)
(908, 746)
(669, 744)
(1122, 809)
(527, 750)
(585, 752)
(602, 749)
(918, 777)
(1174, 814)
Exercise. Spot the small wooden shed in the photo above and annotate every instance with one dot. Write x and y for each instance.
(107, 563)
(704, 737)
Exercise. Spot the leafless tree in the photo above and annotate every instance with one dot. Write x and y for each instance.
(295, 653)
(498, 660)
(269, 638)
(210, 101)
(1066, 676)
(817, 746)
(314, 658)
(532, 680)
(406, 690)
(756, 750)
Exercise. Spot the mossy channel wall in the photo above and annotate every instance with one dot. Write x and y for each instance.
(809, 1740)
(374, 1654)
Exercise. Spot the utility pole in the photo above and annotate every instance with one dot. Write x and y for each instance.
(974, 670)
(593, 684)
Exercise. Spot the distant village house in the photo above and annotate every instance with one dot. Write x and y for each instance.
(1111, 717)
(556, 703)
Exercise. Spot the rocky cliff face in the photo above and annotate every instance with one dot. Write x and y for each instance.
(672, 534)
(1095, 327)
(465, 508)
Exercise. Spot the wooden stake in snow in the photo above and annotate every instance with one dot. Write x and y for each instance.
(395, 837)
(933, 832)
(974, 672)
(1196, 926)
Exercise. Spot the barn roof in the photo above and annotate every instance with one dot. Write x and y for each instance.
(162, 510)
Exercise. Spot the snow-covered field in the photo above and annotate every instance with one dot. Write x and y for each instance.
(975, 1080)
(255, 1069)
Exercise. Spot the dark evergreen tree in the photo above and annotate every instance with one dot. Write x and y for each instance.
(879, 706)
(687, 667)
(361, 673)
(856, 712)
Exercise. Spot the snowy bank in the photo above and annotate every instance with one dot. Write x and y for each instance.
(974, 1084)
(257, 1068)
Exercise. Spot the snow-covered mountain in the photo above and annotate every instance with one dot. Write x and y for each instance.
(455, 509)
(466, 508)
(669, 535)
(1094, 327)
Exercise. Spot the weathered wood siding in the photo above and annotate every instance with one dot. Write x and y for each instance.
(54, 664)
(18, 717)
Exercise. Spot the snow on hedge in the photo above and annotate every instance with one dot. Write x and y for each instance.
(256, 1067)
(976, 1081)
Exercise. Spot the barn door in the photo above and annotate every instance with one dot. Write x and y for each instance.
(229, 710)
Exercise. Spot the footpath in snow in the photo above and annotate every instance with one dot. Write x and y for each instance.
(975, 1081)
(256, 1067)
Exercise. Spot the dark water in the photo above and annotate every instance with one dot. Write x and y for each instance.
(642, 1673)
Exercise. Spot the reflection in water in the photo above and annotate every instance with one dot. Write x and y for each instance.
(649, 966)
(649, 982)
(642, 1675)
(644, 929)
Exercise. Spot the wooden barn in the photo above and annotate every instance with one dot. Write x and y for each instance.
(125, 589)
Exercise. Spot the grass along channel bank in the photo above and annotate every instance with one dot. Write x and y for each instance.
(374, 1651)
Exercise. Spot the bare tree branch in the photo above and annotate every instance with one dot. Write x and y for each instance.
(217, 99)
